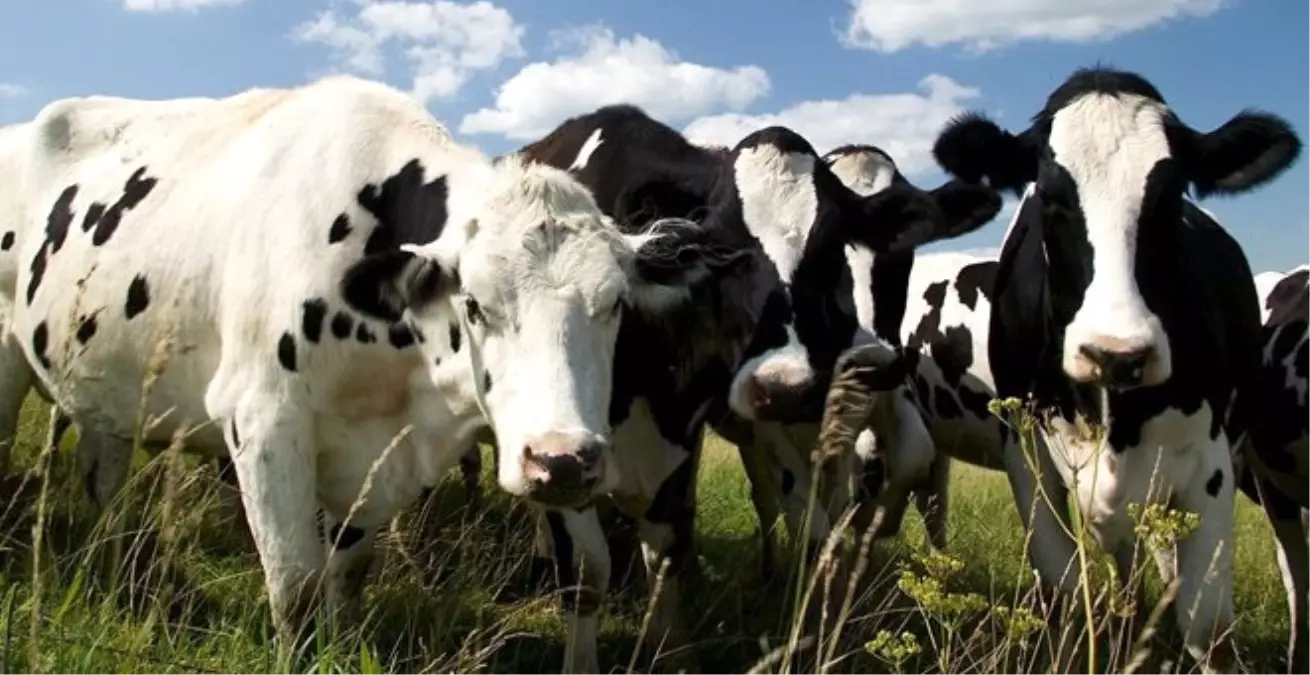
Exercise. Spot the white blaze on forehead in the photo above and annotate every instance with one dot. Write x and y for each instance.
(589, 146)
(866, 173)
(1109, 144)
(779, 205)
(778, 202)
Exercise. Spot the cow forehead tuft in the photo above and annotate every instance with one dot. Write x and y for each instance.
(781, 139)
(1100, 80)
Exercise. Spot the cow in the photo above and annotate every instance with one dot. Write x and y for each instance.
(1273, 452)
(321, 284)
(950, 385)
(760, 352)
(1119, 305)
(925, 403)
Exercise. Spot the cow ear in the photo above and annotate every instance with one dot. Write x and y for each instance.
(384, 285)
(672, 259)
(903, 217)
(1018, 331)
(1249, 150)
(965, 207)
(973, 148)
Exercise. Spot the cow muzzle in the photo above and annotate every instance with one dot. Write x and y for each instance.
(1118, 368)
(784, 402)
(564, 469)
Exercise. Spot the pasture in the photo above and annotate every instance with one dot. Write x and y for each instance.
(460, 598)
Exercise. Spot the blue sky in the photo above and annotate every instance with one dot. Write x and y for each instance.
(502, 72)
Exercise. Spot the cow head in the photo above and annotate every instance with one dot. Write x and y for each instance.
(1110, 162)
(538, 280)
(804, 218)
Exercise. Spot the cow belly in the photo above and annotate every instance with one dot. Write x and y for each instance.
(102, 381)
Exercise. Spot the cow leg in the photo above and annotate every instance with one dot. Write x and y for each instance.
(350, 552)
(763, 490)
(797, 478)
(582, 562)
(667, 533)
(230, 494)
(760, 472)
(15, 381)
(1287, 519)
(1204, 606)
(909, 455)
(1041, 498)
(276, 469)
(104, 462)
(470, 470)
(932, 498)
(663, 543)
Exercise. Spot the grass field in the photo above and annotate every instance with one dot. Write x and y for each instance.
(460, 599)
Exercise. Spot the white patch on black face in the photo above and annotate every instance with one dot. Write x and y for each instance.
(584, 153)
(779, 206)
(778, 202)
(1109, 144)
(866, 173)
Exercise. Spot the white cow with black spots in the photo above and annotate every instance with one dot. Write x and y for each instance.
(308, 260)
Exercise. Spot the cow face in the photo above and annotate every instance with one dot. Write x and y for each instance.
(1110, 163)
(804, 219)
(537, 280)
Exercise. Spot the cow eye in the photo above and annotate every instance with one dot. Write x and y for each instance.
(616, 308)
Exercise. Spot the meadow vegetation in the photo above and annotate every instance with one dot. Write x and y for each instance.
(456, 589)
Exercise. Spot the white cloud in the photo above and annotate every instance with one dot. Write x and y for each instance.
(890, 25)
(903, 124)
(597, 69)
(12, 90)
(174, 5)
(443, 43)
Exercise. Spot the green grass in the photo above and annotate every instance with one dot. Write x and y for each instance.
(462, 597)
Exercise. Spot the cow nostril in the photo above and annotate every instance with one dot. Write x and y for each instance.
(1118, 366)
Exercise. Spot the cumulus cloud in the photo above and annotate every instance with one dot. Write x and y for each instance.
(891, 25)
(174, 5)
(595, 68)
(11, 90)
(442, 43)
(903, 124)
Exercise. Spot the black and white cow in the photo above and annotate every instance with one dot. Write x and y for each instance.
(1117, 299)
(939, 407)
(1274, 451)
(945, 360)
(760, 348)
(343, 290)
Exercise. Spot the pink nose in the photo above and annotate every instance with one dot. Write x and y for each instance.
(563, 468)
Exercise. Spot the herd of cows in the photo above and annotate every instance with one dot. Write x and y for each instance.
(349, 295)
